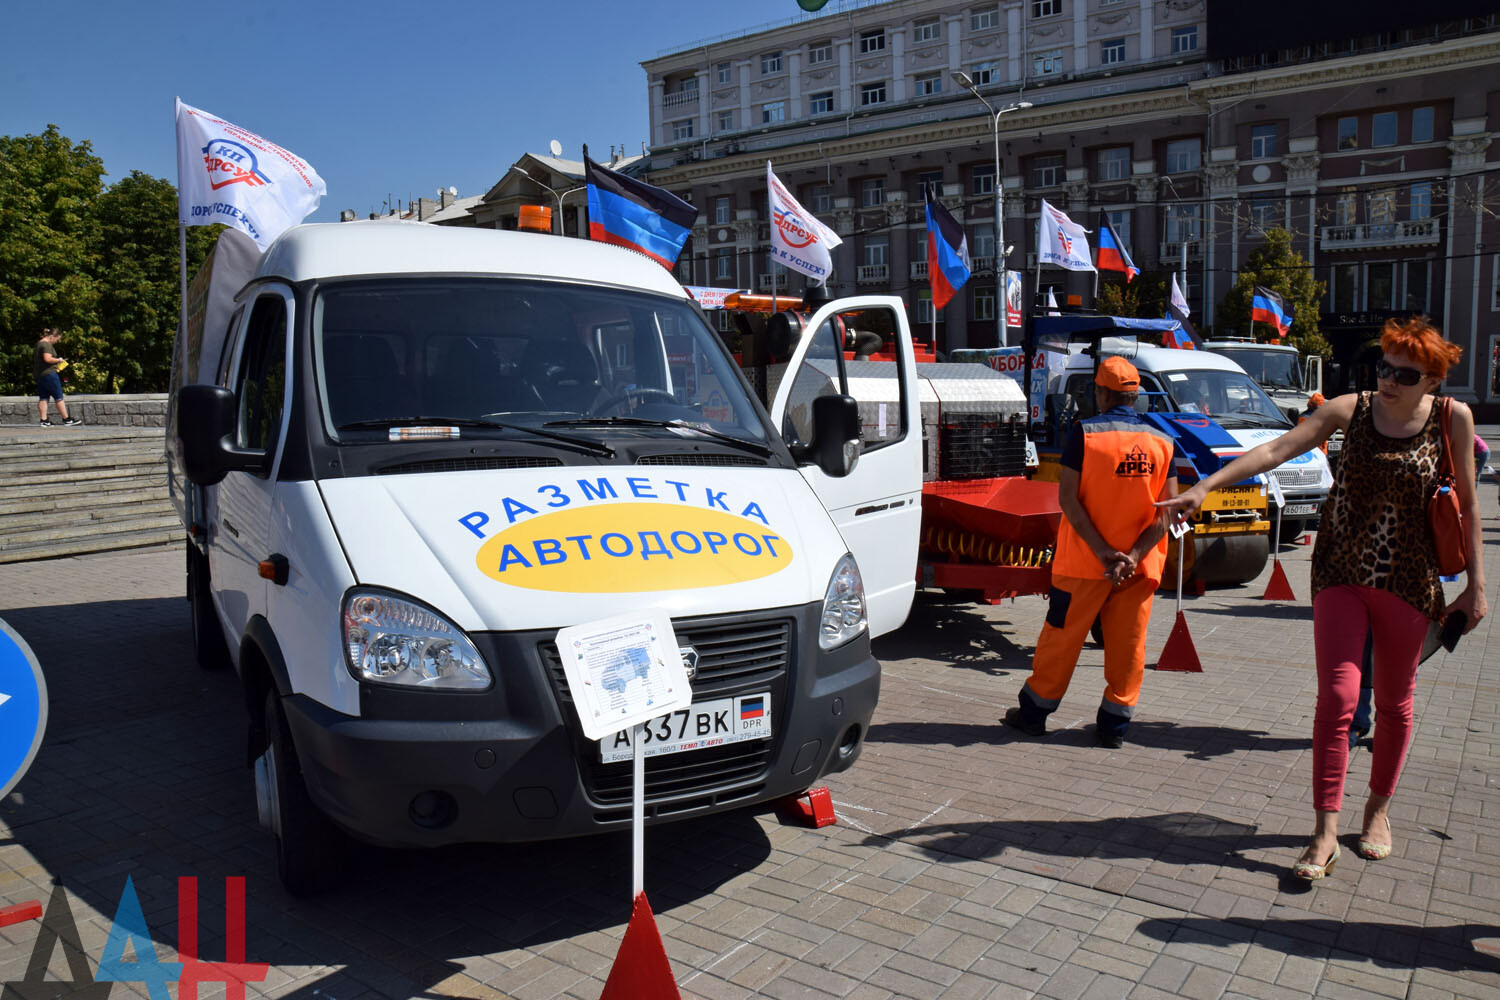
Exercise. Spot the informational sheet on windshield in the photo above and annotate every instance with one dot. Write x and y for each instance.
(623, 671)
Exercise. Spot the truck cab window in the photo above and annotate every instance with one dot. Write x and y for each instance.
(261, 385)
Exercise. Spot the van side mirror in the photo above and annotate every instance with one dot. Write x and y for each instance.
(206, 421)
(836, 442)
(1314, 378)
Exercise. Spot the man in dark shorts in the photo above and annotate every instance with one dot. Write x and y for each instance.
(46, 364)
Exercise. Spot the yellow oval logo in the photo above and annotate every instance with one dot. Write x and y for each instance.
(627, 547)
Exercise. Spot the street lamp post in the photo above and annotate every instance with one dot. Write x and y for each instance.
(523, 172)
(1002, 299)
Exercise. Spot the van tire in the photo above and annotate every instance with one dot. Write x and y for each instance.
(310, 850)
(209, 648)
(1291, 530)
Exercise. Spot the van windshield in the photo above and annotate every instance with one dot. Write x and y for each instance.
(486, 353)
(1272, 369)
(1230, 397)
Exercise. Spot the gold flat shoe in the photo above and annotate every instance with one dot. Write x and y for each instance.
(1309, 872)
(1374, 852)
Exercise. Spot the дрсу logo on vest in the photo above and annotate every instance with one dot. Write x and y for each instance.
(1136, 463)
(229, 162)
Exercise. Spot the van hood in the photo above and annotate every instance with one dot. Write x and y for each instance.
(501, 550)
(1312, 466)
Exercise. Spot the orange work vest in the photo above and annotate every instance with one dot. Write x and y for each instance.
(1126, 462)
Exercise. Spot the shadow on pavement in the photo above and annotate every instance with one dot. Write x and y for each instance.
(956, 632)
(1452, 947)
(1172, 838)
(142, 774)
(1268, 609)
(1197, 742)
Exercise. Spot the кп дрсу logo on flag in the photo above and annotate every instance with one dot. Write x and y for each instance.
(231, 175)
(798, 240)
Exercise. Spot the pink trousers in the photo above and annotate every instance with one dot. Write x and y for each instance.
(1341, 617)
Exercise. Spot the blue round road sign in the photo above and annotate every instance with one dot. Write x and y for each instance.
(23, 707)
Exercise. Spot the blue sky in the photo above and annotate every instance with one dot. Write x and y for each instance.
(385, 100)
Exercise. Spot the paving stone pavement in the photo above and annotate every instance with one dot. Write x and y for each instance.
(966, 863)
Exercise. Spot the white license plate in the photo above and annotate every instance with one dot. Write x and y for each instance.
(1299, 509)
(704, 724)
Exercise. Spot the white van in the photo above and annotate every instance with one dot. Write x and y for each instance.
(1210, 384)
(407, 455)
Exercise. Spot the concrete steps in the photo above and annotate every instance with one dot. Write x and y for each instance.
(67, 491)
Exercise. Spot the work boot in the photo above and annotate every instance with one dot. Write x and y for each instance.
(1019, 718)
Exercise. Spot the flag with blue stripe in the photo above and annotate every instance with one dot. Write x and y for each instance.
(947, 252)
(636, 215)
(1268, 307)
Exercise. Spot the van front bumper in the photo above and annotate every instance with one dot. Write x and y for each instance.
(422, 768)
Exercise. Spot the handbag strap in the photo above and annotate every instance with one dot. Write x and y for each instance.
(1445, 417)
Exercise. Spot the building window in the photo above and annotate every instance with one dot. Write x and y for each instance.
(872, 41)
(770, 63)
(726, 72)
(872, 93)
(1047, 170)
(928, 84)
(984, 302)
(984, 18)
(1048, 63)
(1264, 215)
(726, 121)
(723, 264)
(1112, 51)
(877, 251)
(1346, 209)
(1183, 155)
(1380, 285)
(1182, 223)
(982, 179)
(682, 129)
(1185, 39)
(929, 30)
(1343, 289)
(984, 240)
(983, 74)
(822, 199)
(1418, 274)
(1383, 128)
(930, 181)
(722, 211)
(1120, 220)
(1263, 142)
(1420, 204)
(1421, 124)
(773, 112)
(1046, 8)
(1381, 210)
(820, 103)
(1348, 133)
(872, 192)
(819, 52)
(1114, 163)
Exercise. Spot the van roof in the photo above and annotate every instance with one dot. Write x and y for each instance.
(1160, 359)
(339, 250)
(1246, 345)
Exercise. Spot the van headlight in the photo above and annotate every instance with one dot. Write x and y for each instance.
(844, 615)
(389, 640)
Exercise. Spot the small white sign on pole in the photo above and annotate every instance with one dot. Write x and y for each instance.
(621, 672)
(1276, 494)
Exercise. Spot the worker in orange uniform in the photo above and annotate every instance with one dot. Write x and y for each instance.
(1111, 548)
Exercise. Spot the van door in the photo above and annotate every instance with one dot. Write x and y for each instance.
(877, 507)
(240, 515)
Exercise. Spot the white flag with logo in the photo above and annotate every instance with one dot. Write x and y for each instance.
(798, 240)
(1052, 304)
(1179, 301)
(230, 175)
(1062, 241)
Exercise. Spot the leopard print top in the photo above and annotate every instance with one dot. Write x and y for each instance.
(1374, 531)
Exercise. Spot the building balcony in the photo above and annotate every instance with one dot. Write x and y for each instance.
(871, 274)
(981, 265)
(919, 270)
(680, 99)
(1172, 251)
(1371, 235)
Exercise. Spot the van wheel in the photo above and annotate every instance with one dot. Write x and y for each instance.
(309, 848)
(1291, 531)
(208, 639)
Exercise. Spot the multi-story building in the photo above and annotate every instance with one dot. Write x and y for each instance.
(1197, 127)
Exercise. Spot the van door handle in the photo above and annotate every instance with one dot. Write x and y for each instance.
(230, 528)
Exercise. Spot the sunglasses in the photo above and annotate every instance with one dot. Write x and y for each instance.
(1401, 376)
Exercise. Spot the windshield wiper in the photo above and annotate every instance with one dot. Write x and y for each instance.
(748, 445)
(381, 423)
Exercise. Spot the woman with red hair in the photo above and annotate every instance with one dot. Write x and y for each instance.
(1374, 568)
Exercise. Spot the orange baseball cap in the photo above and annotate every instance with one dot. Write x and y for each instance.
(1118, 374)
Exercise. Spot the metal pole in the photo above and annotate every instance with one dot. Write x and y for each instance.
(1002, 298)
(638, 815)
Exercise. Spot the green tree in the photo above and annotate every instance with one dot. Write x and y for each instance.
(48, 188)
(1275, 265)
(1143, 298)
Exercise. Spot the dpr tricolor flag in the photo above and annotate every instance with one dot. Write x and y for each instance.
(1062, 241)
(1267, 306)
(798, 240)
(947, 252)
(1112, 253)
(635, 215)
(231, 175)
